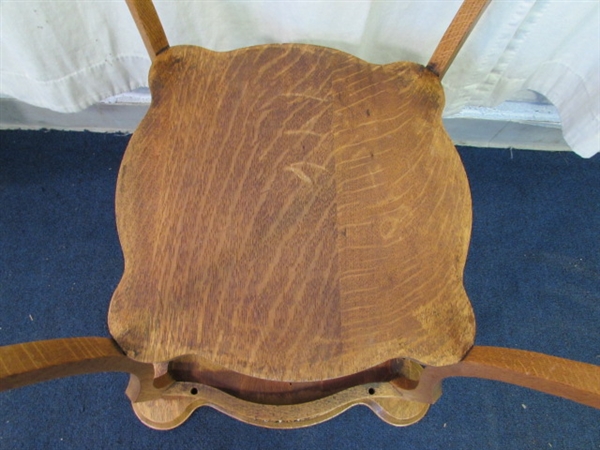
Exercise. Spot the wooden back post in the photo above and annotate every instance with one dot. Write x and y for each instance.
(147, 21)
(461, 26)
(153, 35)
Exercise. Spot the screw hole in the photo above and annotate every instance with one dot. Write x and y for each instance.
(371, 391)
(194, 391)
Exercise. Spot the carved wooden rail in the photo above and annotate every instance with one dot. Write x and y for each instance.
(34, 362)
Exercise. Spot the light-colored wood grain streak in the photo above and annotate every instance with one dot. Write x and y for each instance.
(272, 209)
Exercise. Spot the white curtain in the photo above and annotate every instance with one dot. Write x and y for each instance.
(67, 55)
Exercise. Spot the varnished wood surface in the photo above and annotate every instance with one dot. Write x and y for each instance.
(398, 392)
(182, 399)
(461, 26)
(195, 370)
(34, 362)
(576, 381)
(294, 221)
(275, 404)
(292, 213)
(151, 30)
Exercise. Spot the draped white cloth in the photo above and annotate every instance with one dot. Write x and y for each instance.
(67, 55)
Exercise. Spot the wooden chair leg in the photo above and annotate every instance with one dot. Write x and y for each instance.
(34, 362)
(573, 380)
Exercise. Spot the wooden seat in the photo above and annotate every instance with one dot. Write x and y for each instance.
(310, 211)
(295, 223)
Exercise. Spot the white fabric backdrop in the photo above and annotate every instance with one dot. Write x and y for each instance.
(67, 55)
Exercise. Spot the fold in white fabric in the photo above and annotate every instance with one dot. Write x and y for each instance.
(68, 55)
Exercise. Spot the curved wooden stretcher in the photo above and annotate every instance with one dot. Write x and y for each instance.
(295, 224)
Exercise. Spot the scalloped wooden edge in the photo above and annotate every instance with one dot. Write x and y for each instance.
(183, 398)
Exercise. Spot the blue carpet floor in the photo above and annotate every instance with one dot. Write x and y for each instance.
(533, 276)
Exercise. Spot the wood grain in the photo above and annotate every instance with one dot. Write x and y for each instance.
(196, 370)
(34, 362)
(292, 213)
(275, 404)
(148, 24)
(295, 223)
(461, 26)
(573, 380)
(182, 399)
